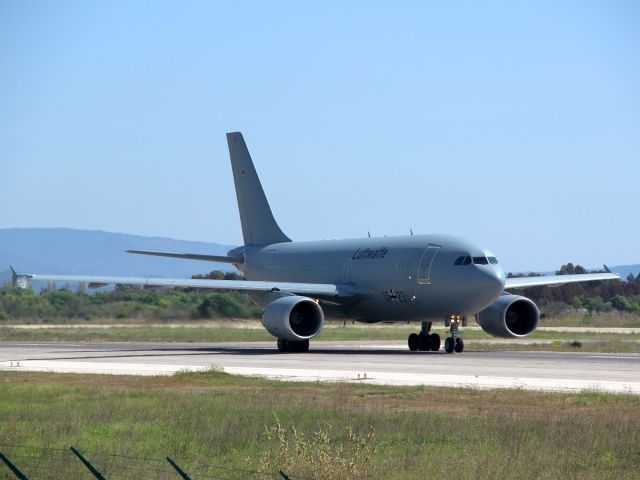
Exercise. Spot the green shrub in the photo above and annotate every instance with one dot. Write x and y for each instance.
(217, 305)
(124, 303)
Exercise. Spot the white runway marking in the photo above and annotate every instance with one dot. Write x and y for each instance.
(62, 366)
(617, 357)
(485, 382)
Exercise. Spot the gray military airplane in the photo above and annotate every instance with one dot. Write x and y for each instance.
(426, 278)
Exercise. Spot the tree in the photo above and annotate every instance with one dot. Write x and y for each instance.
(213, 275)
(621, 303)
(571, 269)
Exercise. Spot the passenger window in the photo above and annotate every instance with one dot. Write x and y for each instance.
(467, 260)
(493, 260)
(480, 261)
(459, 260)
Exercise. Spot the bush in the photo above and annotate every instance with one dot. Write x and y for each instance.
(17, 304)
(621, 303)
(226, 305)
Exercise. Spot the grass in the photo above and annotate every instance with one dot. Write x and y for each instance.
(601, 319)
(217, 419)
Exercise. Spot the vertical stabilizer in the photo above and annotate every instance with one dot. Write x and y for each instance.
(258, 225)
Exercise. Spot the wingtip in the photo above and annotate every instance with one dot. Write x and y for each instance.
(608, 270)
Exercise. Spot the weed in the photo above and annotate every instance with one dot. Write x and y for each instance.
(324, 454)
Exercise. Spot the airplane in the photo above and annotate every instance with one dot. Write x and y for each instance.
(413, 278)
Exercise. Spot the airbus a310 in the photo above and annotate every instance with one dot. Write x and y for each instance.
(425, 278)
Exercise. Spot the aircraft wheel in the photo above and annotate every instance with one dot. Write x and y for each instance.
(459, 345)
(290, 346)
(283, 345)
(301, 347)
(414, 342)
(425, 341)
(435, 342)
(449, 345)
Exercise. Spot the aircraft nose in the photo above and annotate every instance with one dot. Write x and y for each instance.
(494, 279)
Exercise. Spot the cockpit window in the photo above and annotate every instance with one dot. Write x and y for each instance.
(467, 259)
(463, 260)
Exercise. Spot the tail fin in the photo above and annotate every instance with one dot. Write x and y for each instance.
(258, 225)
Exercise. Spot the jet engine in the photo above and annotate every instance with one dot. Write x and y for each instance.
(293, 318)
(511, 316)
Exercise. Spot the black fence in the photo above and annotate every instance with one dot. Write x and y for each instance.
(41, 463)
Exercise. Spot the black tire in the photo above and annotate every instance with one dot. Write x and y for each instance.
(301, 347)
(459, 345)
(449, 345)
(435, 342)
(425, 341)
(283, 345)
(414, 342)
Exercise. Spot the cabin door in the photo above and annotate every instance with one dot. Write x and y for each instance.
(424, 268)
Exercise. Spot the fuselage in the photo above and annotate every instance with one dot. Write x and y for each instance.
(405, 278)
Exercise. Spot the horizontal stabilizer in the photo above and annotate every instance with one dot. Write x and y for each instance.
(193, 256)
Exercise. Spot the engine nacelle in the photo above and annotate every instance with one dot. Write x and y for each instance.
(293, 318)
(511, 316)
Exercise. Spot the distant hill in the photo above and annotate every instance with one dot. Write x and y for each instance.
(84, 252)
(625, 270)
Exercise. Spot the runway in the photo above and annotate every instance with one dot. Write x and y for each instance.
(374, 362)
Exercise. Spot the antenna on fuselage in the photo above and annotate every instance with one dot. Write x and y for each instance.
(411, 231)
(369, 233)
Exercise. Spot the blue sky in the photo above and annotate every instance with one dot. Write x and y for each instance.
(513, 123)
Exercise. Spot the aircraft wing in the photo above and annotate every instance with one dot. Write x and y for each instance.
(323, 290)
(556, 280)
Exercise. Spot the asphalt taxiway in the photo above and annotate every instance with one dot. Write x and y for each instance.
(374, 362)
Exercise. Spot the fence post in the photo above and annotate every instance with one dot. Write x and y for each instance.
(94, 471)
(16, 471)
(182, 473)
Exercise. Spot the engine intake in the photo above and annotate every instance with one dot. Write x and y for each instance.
(293, 318)
(511, 316)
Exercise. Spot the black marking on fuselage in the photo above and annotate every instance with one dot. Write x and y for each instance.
(395, 296)
(369, 254)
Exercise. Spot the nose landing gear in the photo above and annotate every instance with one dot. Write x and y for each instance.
(424, 341)
(454, 342)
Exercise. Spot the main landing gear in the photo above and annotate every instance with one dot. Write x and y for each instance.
(424, 341)
(454, 342)
(291, 346)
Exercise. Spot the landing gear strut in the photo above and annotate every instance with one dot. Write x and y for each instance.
(424, 341)
(291, 346)
(454, 342)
